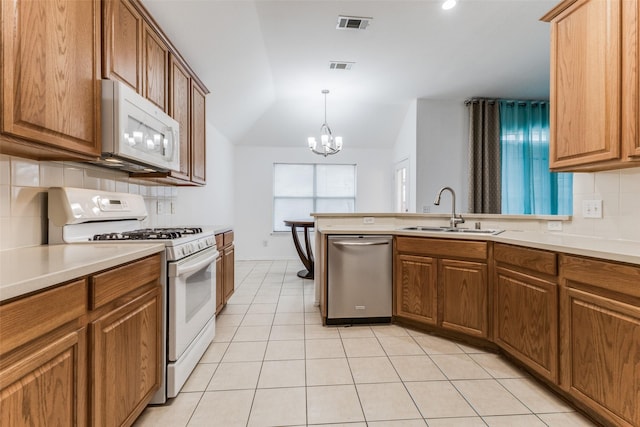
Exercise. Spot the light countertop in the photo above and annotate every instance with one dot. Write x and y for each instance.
(597, 247)
(29, 269)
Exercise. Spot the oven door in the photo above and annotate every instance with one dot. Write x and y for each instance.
(192, 298)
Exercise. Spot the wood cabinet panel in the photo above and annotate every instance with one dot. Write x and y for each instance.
(601, 355)
(530, 259)
(443, 248)
(179, 109)
(156, 68)
(526, 320)
(229, 272)
(198, 135)
(45, 384)
(122, 32)
(631, 79)
(50, 77)
(28, 318)
(126, 361)
(416, 288)
(463, 293)
(112, 284)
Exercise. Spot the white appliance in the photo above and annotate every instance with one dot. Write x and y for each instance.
(137, 136)
(79, 215)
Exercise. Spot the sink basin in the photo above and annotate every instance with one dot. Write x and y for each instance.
(454, 230)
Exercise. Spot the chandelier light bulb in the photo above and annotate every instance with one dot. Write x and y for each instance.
(328, 143)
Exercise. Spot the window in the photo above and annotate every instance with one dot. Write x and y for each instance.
(300, 189)
(528, 187)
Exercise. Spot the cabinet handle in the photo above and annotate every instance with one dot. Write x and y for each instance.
(360, 243)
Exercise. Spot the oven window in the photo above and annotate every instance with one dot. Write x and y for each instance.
(198, 291)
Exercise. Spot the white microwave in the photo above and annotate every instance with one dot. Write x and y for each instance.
(137, 135)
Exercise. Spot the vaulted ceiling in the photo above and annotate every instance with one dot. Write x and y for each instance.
(266, 61)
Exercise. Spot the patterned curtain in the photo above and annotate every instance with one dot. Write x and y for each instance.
(484, 156)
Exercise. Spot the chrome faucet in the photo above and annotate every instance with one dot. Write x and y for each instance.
(455, 219)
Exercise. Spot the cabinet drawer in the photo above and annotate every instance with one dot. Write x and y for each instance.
(530, 259)
(106, 287)
(33, 316)
(219, 241)
(228, 238)
(610, 276)
(442, 247)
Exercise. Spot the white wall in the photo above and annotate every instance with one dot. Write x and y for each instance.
(442, 154)
(254, 238)
(405, 148)
(212, 204)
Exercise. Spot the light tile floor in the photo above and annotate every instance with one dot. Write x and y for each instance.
(273, 364)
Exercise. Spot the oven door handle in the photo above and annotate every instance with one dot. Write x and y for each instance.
(191, 265)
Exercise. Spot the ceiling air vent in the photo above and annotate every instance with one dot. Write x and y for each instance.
(338, 65)
(352, 23)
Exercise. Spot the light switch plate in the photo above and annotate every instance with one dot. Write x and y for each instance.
(554, 225)
(592, 208)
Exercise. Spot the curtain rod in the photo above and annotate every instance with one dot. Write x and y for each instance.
(492, 101)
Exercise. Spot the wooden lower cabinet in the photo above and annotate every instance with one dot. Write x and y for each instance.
(225, 269)
(45, 383)
(126, 360)
(443, 283)
(86, 352)
(526, 306)
(416, 290)
(463, 293)
(600, 344)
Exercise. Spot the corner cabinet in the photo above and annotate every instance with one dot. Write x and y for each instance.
(594, 85)
(443, 282)
(50, 79)
(526, 306)
(85, 352)
(600, 344)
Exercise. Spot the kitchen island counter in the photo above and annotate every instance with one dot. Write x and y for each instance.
(29, 269)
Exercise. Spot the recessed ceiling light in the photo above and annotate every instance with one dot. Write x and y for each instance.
(449, 4)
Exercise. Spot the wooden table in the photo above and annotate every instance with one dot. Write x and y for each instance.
(306, 255)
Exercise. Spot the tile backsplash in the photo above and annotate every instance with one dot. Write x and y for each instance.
(23, 195)
(620, 194)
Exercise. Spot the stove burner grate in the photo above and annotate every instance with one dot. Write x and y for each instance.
(150, 234)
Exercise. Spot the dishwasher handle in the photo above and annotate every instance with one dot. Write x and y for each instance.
(351, 243)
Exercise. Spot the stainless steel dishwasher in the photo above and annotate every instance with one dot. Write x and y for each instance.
(359, 273)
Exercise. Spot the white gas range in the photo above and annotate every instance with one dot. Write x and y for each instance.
(93, 216)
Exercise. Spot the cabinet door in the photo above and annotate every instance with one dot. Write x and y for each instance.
(198, 135)
(229, 272)
(156, 67)
(219, 285)
(526, 320)
(585, 96)
(631, 80)
(122, 33)
(50, 74)
(45, 383)
(463, 292)
(126, 360)
(601, 354)
(416, 290)
(179, 106)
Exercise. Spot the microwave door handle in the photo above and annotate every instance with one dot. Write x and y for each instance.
(189, 268)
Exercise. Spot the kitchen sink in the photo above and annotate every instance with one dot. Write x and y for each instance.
(453, 230)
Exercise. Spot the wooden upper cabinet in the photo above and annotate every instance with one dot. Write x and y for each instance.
(588, 67)
(122, 32)
(179, 109)
(50, 78)
(631, 78)
(198, 134)
(156, 67)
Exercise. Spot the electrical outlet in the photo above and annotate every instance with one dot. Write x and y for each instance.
(368, 220)
(426, 209)
(592, 208)
(554, 225)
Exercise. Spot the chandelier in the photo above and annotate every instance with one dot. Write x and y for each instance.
(328, 143)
